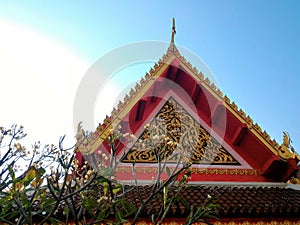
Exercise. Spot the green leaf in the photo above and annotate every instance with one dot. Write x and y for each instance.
(117, 189)
(101, 179)
(5, 199)
(13, 215)
(25, 202)
(105, 187)
(89, 204)
(40, 172)
(101, 216)
(48, 204)
(119, 217)
(130, 209)
(29, 176)
(6, 207)
(12, 174)
(66, 211)
(188, 219)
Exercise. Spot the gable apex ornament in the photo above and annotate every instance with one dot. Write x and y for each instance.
(173, 34)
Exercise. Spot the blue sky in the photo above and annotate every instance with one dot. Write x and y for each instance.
(253, 48)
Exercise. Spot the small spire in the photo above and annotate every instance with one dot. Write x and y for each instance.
(173, 33)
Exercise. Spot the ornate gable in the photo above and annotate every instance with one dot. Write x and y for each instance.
(179, 127)
(222, 141)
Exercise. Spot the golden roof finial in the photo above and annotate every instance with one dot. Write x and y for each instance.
(173, 33)
(285, 150)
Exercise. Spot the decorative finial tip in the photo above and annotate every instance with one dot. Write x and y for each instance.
(173, 31)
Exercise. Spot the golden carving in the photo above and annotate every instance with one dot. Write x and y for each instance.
(84, 140)
(207, 81)
(257, 127)
(107, 120)
(201, 76)
(242, 113)
(80, 132)
(294, 180)
(100, 128)
(126, 99)
(152, 71)
(249, 120)
(235, 107)
(137, 87)
(195, 70)
(143, 81)
(214, 87)
(148, 76)
(219, 92)
(248, 172)
(131, 92)
(188, 137)
(285, 150)
(205, 171)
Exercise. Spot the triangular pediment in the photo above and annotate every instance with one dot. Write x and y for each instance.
(174, 130)
(223, 143)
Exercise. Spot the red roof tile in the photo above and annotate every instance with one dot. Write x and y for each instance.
(258, 202)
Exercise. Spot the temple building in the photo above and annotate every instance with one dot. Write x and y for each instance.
(253, 178)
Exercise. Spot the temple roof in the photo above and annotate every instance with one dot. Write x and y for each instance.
(173, 77)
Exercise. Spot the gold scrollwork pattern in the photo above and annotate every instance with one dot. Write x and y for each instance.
(247, 172)
(230, 172)
(174, 133)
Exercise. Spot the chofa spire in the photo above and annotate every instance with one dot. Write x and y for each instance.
(172, 45)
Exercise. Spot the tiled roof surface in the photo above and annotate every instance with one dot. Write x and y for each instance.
(258, 202)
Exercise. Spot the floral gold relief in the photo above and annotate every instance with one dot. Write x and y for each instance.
(189, 138)
(229, 172)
